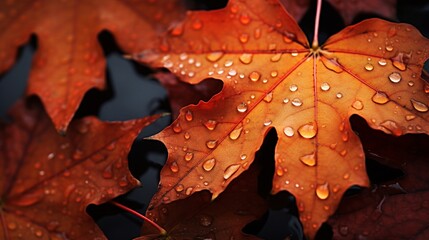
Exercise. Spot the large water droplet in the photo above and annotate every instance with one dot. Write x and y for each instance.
(228, 63)
(322, 191)
(246, 58)
(308, 130)
(325, 86)
(242, 107)
(276, 57)
(369, 67)
(419, 106)
(380, 98)
(358, 105)
(395, 77)
(174, 167)
(235, 134)
(230, 170)
(188, 116)
(210, 124)
(269, 97)
(309, 159)
(209, 164)
(293, 88)
(288, 131)
(189, 156)
(214, 56)
(254, 76)
(211, 144)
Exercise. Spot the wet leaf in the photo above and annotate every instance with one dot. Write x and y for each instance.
(48, 180)
(69, 59)
(197, 217)
(274, 79)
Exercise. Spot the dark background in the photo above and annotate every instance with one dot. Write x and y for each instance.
(133, 93)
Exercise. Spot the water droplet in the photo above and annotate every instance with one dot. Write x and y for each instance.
(382, 62)
(339, 95)
(209, 164)
(242, 107)
(189, 190)
(389, 48)
(197, 24)
(177, 128)
(267, 122)
(179, 188)
(410, 83)
(325, 86)
(232, 72)
(38, 233)
(245, 19)
(343, 153)
(188, 116)
(288, 131)
(228, 63)
(244, 38)
(294, 53)
(276, 57)
(235, 134)
(210, 124)
(211, 144)
(269, 97)
(246, 58)
(293, 88)
(243, 156)
(174, 167)
(279, 171)
(358, 105)
(214, 56)
(308, 130)
(332, 64)
(395, 77)
(369, 67)
(322, 191)
(296, 102)
(286, 100)
(399, 61)
(254, 76)
(419, 106)
(11, 225)
(187, 136)
(309, 159)
(206, 220)
(274, 74)
(410, 117)
(189, 156)
(392, 127)
(346, 176)
(230, 170)
(380, 98)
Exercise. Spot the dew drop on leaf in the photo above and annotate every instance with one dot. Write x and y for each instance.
(339, 95)
(410, 117)
(214, 56)
(369, 67)
(296, 102)
(308, 130)
(174, 167)
(177, 128)
(382, 62)
(246, 58)
(187, 136)
(197, 24)
(332, 64)
(389, 48)
(189, 156)
(235, 134)
(346, 176)
(279, 171)
(293, 88)
(358, 105)
(419, 106)
(395, 77)
(288, 131)
(267, 122)
(230, 170)
(11, 225)
(276, 57)
(209, 164)
(245, 19)
(269, 97)
(325, 86)
(392, 126)
(242, 107)
(380, 98)
(254, 76)
(189, 191)
(179, 188)
(322, 191)
(189, 116)
(210, 124)
(309, 159)
(211, 144)
(244, 38)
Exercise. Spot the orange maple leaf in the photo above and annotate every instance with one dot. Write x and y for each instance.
(69, 59)
(274, 79)
(47, 180)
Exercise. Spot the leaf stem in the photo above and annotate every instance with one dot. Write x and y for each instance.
(161, 230)
(315, 43)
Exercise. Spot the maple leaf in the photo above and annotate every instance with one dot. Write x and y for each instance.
(48, 180)
(199, 217)
(69, 59)
(347, 9)
(397, 209)
(274, 79)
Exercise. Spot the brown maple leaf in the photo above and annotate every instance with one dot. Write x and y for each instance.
(274, 79)
(397, 209)
(69, 59)
(199, 217)
(47, 180)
